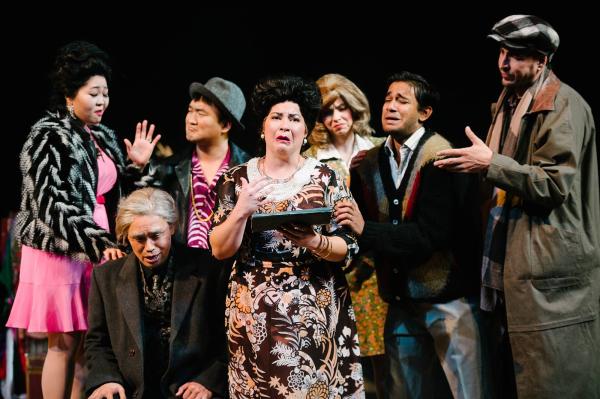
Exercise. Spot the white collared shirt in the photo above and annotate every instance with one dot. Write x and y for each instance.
(406, 151)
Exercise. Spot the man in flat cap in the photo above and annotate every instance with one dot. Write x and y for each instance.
(541, 264)
(214, 112)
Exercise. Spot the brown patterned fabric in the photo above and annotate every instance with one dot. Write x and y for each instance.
(291, 326)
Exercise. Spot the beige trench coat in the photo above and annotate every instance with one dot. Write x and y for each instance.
(552, 264)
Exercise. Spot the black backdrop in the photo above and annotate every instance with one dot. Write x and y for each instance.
(156, 55)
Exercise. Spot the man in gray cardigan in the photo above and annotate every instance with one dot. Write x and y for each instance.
(421, 224)
(541, 263)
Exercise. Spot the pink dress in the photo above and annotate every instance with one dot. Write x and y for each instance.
(53, 289)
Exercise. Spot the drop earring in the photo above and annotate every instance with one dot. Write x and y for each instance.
(304, 141)
(262, 135)
(71, 110)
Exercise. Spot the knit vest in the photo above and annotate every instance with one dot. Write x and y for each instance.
(404, 278)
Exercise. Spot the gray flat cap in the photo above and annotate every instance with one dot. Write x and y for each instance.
(526, 32)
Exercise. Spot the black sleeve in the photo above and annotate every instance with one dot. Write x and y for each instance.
(158, 173)
(134, 177)
(430, 227)
(100, 358)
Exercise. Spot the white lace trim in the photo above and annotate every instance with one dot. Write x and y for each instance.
(282, 191)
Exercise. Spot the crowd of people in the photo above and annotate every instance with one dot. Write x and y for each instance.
(151, 282)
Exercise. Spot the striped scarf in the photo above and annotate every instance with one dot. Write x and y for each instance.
(503, 138)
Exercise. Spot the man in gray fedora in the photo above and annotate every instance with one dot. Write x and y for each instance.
(190, 176)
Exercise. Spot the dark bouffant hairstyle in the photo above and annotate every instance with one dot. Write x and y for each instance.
(75, 64)
(277, 89)
(425, 93)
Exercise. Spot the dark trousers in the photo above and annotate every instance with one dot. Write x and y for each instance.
(504, 385)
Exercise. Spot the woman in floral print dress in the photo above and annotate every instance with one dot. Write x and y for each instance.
(291, 327)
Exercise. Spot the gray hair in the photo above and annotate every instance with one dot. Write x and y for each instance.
(144, 202)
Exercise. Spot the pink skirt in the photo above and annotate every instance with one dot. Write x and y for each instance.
(53, 289)
(52, 293)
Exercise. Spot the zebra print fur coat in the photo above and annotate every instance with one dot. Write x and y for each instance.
(59, 170)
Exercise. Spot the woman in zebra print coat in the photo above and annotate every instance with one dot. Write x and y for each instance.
(70, 165)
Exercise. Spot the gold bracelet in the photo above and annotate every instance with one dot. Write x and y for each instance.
(329, 248)
(320, 248)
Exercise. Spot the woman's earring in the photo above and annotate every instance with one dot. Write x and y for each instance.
(305, 141)
(71, 110)
(262, 135)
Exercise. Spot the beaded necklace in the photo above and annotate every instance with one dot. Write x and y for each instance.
(200, 218)
(158, 298)
(261, 169)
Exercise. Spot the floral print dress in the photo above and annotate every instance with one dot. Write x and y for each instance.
(290, 323)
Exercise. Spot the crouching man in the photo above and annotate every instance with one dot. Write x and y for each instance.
(156, 316)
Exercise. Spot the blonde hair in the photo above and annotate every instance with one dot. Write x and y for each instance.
(334, 86)
(144, 202)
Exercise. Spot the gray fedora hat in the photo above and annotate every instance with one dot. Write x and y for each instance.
(226, 95)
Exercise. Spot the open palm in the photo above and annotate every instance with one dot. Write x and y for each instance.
(143, 145)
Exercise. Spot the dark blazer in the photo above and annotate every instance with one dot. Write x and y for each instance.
(114, 342)
(173, 175)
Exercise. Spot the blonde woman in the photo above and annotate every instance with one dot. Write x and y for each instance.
(342, 130)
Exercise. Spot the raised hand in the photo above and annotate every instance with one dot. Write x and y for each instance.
(253, 195)
(473, 159)
(143, 145)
